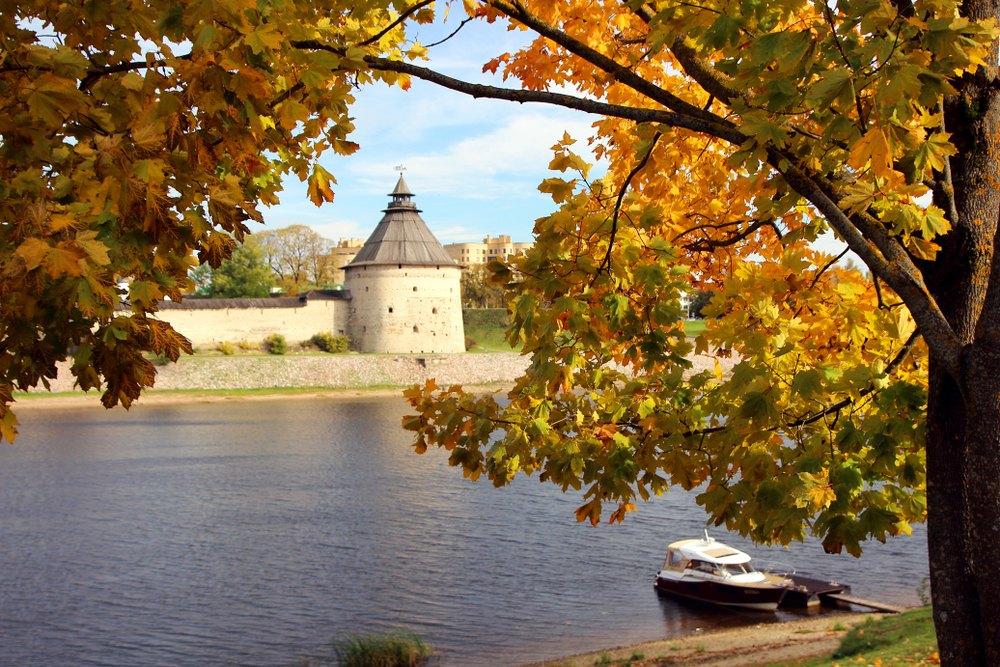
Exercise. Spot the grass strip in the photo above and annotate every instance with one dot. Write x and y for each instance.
(897, 639)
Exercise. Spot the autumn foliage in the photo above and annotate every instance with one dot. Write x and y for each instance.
(145, 134)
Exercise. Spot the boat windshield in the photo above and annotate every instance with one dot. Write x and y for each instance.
(738, 568)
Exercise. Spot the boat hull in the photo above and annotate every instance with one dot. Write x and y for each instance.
(763, 598)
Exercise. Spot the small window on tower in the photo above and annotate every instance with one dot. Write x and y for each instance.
(414, 288)
(434, 311)
(415, 329)
(390, 309)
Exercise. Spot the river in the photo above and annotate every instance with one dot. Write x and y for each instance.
(252, 533)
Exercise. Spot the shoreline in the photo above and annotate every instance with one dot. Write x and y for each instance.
(255, 377)
(760, 644)
(41, 400)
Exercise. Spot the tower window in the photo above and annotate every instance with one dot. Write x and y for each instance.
(415, 329)
(434, 311)
(390, 309)
(366, 288)
(414, 288)
(400, 266)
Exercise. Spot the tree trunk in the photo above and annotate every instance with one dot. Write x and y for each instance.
(956, 603)
(982, 490)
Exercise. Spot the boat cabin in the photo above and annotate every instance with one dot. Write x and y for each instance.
(707, 558)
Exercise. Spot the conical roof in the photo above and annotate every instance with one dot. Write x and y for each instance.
(401, 236)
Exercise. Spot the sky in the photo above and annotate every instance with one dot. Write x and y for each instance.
(474, 165)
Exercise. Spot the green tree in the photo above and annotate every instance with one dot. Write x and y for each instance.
(700, 300)
(246, 274)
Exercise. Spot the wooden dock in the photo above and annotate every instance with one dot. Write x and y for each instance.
(877, 606)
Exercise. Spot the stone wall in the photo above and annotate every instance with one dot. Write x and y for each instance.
(207, 327)
(347, 371)
(400, 309)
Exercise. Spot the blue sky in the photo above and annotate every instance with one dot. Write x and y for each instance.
(474, 165)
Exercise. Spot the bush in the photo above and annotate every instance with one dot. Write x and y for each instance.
(276, 344)
(248, 345)
(398, 648)
(226, 348)
(327, 342)
(470, 342)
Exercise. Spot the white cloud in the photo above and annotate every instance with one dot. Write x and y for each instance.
(486, 165)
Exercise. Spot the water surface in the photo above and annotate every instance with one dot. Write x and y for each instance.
(251, 533)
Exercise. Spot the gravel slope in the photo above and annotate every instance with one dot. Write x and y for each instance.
(347, 371)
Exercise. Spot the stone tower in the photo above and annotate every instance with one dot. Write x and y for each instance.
(405, 289)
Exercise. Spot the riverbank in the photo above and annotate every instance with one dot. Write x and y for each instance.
(759, 644)
(825, 641)
(199, 379)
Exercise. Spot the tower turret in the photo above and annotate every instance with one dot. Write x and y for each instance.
(405, 288)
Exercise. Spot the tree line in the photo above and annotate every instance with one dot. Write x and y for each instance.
(287, 260)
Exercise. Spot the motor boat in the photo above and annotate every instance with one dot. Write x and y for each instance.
(713, 572)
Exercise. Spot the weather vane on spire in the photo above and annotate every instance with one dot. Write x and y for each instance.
(400, 168)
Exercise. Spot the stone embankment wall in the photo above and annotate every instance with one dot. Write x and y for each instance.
(347, 371)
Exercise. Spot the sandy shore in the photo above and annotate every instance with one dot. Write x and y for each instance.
(738, 647)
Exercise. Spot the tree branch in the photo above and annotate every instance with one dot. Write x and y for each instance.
(621, 74)
(889, 369)
(402, 17)
(618, 206)
(454, 32)
(707, 245)
(883, 255)
(720, 130)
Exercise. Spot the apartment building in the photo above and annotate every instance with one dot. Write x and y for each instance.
(498, 247)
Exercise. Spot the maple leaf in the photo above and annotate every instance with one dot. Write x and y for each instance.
(319, 186)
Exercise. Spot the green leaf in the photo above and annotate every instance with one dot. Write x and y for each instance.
(758, 407)
(833, 86)
(807, 383)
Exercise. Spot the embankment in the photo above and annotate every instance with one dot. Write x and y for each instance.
(348, 371)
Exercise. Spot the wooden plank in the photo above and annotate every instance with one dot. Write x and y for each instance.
(878, 606)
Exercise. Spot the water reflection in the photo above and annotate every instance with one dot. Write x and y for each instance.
(250, 533)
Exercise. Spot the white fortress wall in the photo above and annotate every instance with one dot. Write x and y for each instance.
(209, 326)
(406, 309)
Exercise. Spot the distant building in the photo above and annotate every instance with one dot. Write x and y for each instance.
(405, 289)
(499, 247)
(342, 254)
